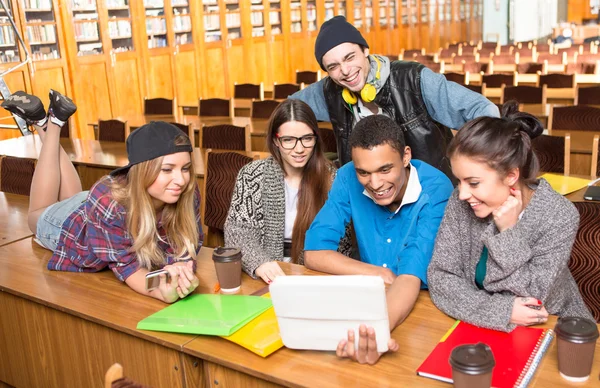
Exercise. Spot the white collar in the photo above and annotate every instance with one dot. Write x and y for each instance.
(412, 192)
(361, 111)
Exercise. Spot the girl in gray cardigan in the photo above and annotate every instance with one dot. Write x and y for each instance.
(276, 199)
(501, 253)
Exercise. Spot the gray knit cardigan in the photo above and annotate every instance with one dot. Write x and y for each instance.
(528, 260)
(256, 218)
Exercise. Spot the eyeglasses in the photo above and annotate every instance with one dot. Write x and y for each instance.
(290, 142)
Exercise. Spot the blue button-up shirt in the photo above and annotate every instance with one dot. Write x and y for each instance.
(402, 240)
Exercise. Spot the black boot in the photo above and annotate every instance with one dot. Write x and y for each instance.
(61, 108)
(27, 107)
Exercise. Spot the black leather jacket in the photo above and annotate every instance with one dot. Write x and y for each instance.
(401, 100)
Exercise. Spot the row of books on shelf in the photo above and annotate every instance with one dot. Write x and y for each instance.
(211, 22)
(119, 29)
(37, 4)
(182, 23)
(44, 54)
(156, 27)
(233, 20)
(156, 42)
(41, 34)
(7, 36)
(116, 3)
(84, 4)
(9, 56)
(86, 31)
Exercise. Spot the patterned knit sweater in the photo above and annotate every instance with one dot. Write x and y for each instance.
(256, 218)
(528, 260)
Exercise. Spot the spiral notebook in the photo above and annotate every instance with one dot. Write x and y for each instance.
(517, 353)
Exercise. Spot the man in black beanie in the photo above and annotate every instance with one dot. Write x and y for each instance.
(422, 102)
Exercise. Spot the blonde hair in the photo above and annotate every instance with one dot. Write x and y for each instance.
(178, 219)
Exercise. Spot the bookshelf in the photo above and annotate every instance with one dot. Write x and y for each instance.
(85, 25)
(212, 21)
(156, 24)
(182, 22)
(257, 19)
(296, 16)
(233, 20)
(358, 14)
(311, 15)
(40, 29)
(9, 51)
(341, 10)
(275, 17)
(120, 29)
(369, 14)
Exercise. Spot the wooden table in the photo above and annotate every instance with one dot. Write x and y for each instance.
(93, 158)
(66, 329)
(13, 218)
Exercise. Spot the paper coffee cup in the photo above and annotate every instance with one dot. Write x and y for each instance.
(576, 339)
(472, 366)
(228, 265)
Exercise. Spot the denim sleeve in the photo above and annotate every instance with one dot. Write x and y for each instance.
(452, 104)
(314, 97)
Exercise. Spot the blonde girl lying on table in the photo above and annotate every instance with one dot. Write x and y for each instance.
(141, 217)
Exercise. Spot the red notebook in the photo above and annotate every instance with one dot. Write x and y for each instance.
(517, 353)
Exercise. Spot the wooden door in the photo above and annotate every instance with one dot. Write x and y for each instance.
(127, 84)
(188, 85)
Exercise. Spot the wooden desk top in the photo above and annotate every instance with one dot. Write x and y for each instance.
(97, 297)
(13, 217)
(95, 153)
(417, 337)
(101, 298)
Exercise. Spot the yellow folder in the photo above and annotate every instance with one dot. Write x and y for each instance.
(260, 335)
(565, 184)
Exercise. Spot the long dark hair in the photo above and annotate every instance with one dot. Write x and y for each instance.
(316, 177)
(503, 143)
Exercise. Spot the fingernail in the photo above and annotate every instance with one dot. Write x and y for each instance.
(539, 301)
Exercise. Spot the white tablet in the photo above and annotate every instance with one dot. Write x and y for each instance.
(316, 312)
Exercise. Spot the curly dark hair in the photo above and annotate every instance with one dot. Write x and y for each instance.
(376, 130)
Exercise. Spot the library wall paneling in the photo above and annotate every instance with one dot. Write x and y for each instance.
(215, 79)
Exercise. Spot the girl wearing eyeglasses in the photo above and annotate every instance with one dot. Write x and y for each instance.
(276, 199)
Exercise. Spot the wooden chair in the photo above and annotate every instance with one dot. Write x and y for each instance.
(459, 78)
(249, 91)
(595, 168)
(494, 82)
(187, 129)
(560, 86)
(158, 106)
(407, 55)
(282, 91)
(215, 107)
(530, 68)
(393, 58)
(307, 77)
(65, 131)
(112, 130)
(587, 95)
(225, 137)
(524, 94)
(574, 118)
(502, 64)
(554, 153)
(263, 109)
(476, 88)
(222, 169)
(436, 67)
(585, 255)
(244, 94)
(328, 138)
(16, 175)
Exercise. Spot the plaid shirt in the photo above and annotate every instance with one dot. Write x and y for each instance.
(95, 236)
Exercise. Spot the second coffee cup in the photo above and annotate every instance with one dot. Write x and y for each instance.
(576, 339)
(472, 366)
(228, 264)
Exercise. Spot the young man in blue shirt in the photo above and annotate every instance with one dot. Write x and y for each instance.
(396, 207)
(360, 84)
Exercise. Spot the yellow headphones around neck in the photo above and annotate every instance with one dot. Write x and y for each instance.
(368, 92)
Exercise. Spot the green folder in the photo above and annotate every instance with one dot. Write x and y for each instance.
(207, 314)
